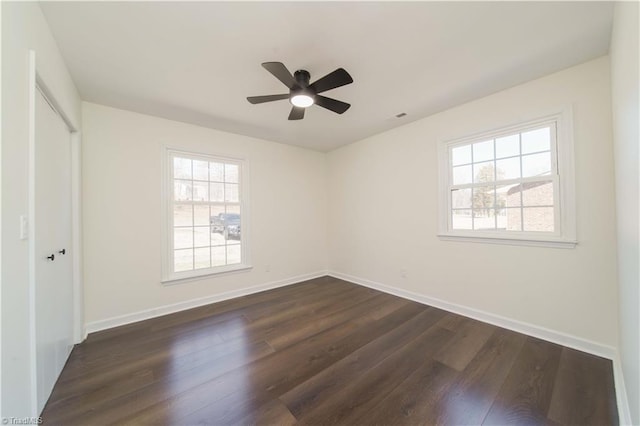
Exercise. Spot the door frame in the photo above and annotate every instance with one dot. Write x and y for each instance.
(37, 84)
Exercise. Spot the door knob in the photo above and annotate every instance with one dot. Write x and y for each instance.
(52, 257)
(63, 251)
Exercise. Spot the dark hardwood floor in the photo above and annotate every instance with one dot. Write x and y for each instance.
(327, 352)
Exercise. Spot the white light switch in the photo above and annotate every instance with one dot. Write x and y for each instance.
(24, 227)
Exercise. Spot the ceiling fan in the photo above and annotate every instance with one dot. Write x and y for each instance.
(302, 94)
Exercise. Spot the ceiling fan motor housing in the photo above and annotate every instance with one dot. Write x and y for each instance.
(302, 78)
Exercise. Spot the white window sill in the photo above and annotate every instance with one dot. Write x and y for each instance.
(209, 273)
(532, 242)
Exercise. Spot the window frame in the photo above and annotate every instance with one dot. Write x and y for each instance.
(168, 274)
(562, 176)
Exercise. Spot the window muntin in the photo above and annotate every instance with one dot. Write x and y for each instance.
(505, 184)
(205, 215)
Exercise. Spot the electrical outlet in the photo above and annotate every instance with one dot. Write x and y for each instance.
(267, 268)
(403, 273)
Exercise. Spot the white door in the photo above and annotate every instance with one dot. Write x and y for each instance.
(52, 233)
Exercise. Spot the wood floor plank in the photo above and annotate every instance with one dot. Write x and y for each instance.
(347, 311)
(316, 389)
(469, 399)
(270, 327)
(92, 410)
(273, 412)
(365, 393)
(109, 359)
(162, 363)
(307, 302)
(526, 393)
(583, 392)
(416, 398)
(452, 322)
(470, 336)
(326, 351)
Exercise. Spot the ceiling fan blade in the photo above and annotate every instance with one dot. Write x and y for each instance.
(332, 104)
(267, 98)
(280, 72)
(332, 80)
(296, 113)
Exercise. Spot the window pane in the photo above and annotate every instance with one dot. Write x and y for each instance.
(201, 215)
(233, 208)
(231, 172)
(233, 235)
(536, 140)
(508, 168)
(231, 192)
(233, 228)
(461, 219)
(538, 219)
(201, 236)
(508, 146)
(182, 238)
(216, 210)
(202, 258)
(508, 195)
(509, 219)
(536, 164)
(482, 151)
(217, 237)
(483, 198)
(461, 175)
(183, 260)
(483, 172)
(200, 170)
(182, 215)
(216, 172)
(537, 193)
(181, 168)
(218, 256)
(201, 191)
(461, 155)
(217, 192)
(484, 219)
(182, 190)
(233, 254)
(461, 198)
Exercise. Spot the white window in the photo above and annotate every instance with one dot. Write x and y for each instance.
(206, 222)
(510, 185)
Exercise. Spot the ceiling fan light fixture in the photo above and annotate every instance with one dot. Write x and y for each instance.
(302, 100)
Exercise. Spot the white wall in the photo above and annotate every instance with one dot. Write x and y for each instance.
(122, 211)
(624, 83)
(383, 214)
(23, 28)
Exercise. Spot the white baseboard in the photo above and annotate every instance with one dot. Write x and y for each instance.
(584, 345)
(624, 412)
(94, 326)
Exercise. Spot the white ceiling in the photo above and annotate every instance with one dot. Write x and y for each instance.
(197, 62)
